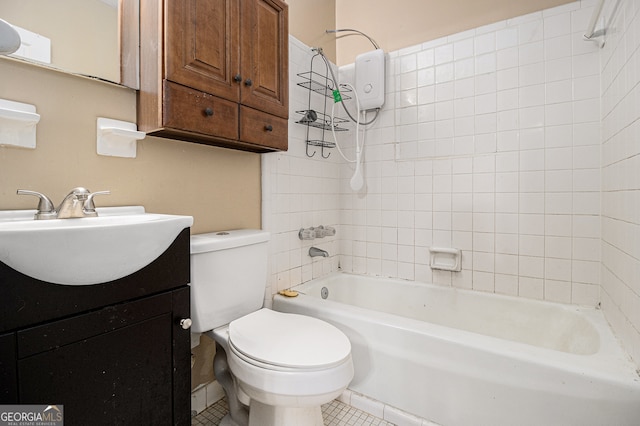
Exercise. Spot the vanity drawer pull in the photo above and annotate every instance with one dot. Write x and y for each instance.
(208, 111)
(268, 128)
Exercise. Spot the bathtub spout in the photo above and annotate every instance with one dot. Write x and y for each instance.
(315, 251)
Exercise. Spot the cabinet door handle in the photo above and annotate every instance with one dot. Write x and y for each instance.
(248, 82)
(268, 127)
(185, 323)
(237, 78)
(208, 111)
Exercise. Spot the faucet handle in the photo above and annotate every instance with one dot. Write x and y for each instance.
(45, 206)
(89, 208)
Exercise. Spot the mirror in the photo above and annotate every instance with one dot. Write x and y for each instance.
(78, 36)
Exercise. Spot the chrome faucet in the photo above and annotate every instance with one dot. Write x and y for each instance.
(315, 251)
(78, 203)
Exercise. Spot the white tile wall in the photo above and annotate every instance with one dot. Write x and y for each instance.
(620, 247)
(299, 191)
(491, 152)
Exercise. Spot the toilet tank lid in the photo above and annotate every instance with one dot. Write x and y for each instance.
(222, 240)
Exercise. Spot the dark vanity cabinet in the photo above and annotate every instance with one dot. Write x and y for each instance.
(111, 354)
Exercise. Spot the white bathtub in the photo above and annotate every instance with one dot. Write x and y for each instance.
(460, 357)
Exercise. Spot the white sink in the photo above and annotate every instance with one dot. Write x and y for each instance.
(120, 241)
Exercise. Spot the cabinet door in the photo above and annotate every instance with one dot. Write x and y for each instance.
(114, 366)
(181, 359)
(265, 56)
(122, 377)
(8, 373)
(202, 45)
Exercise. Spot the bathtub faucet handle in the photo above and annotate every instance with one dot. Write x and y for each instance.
(307, 234)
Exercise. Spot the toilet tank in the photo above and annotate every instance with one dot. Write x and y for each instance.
(228, 276)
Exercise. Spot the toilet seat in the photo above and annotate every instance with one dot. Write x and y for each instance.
(287, 342)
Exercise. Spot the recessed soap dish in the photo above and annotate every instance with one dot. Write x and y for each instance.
(445, 259)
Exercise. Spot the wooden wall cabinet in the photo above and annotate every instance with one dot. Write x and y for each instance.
(215, 72)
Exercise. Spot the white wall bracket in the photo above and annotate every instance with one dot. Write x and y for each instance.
(591, 34)
(445, 259)
(18, 124)
(117, 138)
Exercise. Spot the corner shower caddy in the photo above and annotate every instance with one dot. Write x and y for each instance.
(312, 118)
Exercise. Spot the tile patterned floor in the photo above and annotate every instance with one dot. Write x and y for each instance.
(335, 413)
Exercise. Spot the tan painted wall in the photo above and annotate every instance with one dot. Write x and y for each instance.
(397, 24)
(219, 187)
(308, 20)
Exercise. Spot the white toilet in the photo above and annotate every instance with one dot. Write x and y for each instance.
(282, 366)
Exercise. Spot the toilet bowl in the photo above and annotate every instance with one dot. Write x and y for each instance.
(285, 365)
(280, 366)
